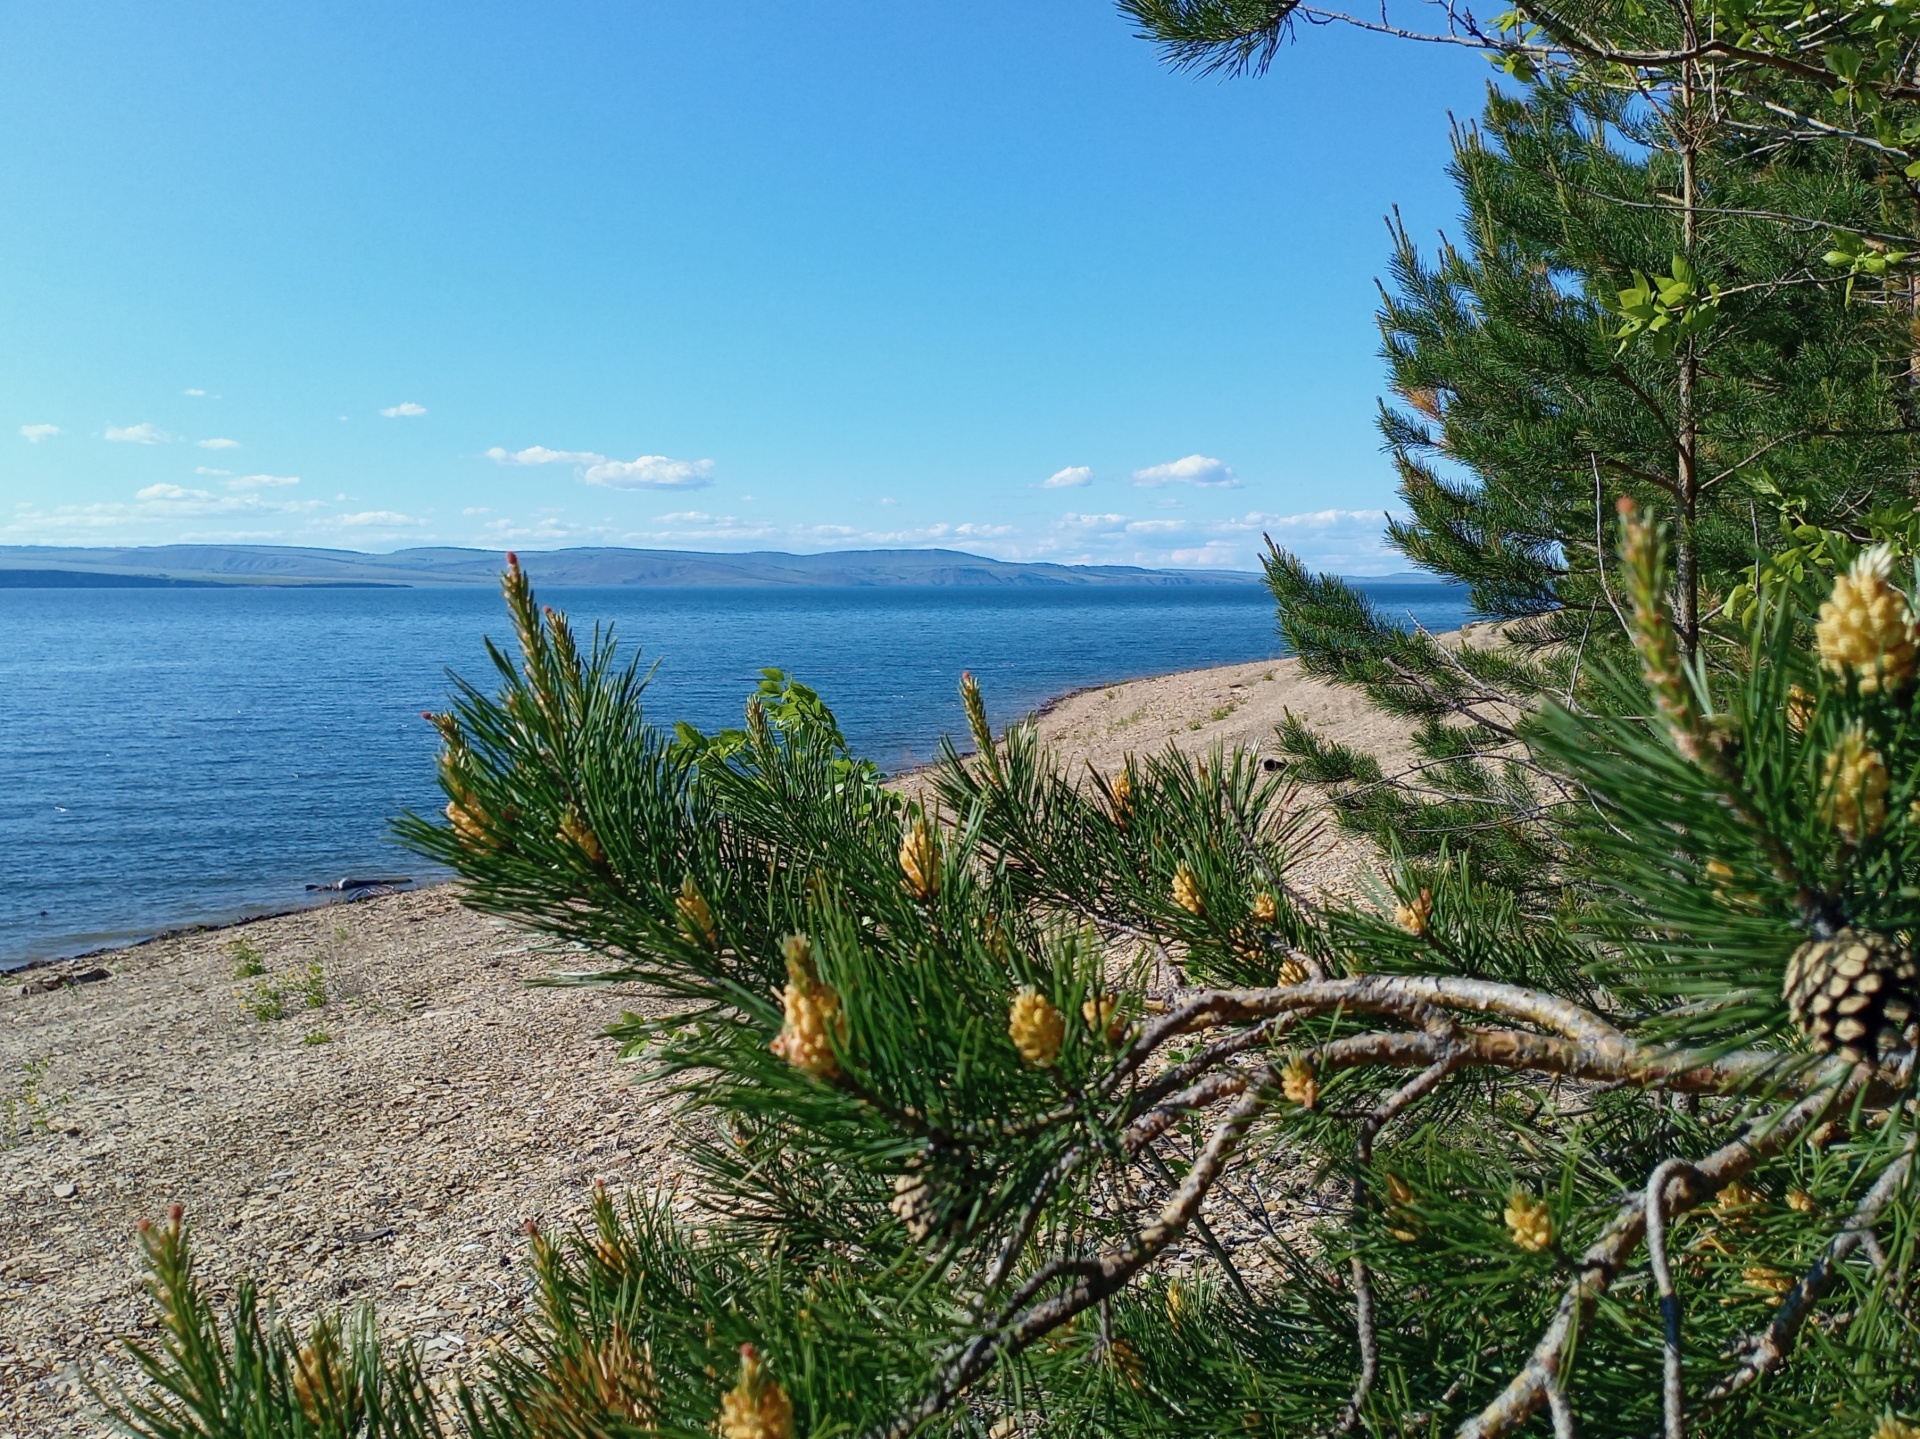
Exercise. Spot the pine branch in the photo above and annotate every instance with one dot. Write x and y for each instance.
(1769, 1350)
(1604, 1260)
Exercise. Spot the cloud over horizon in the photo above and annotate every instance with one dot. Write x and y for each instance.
(1072, 477)
(383, 519)
(219, 442)
(405, 410)
(1190, 470)
(648, 472)
(262, 482)
(34, 434)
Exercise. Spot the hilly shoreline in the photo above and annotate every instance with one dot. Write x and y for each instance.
(200, 565)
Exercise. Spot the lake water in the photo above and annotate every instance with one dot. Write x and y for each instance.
(175, 757)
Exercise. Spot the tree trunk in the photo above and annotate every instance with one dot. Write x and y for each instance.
(1687, 427)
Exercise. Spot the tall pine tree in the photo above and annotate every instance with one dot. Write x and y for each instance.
(1589, 337)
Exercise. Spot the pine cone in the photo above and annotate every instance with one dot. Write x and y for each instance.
(1103, 1017)
(1036, 1027)
(1866, 626)
(1529, 1221)
(1800, 703)
(1892, 1426)
(470, 821)
(1767, 1280)
(1855, 993)
(611, 1377)
(1127, 1364)
(913, 1203)
(1292, 971)
(696, 915)
(812, 1015)
(1186, 891)
(1738, 1198)
(1856, 784)
(317, 1375)
(1266, 909)
(920, 860)
(1413, 917)
(1299, 1083)
(579, 833)
(1400, 1211)
(1122, 792)
(756, 1407)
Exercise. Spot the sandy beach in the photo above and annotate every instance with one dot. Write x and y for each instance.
(388, 1136)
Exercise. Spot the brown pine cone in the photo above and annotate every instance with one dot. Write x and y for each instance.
(1854, 993)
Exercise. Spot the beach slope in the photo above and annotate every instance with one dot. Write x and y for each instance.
(391, 1142)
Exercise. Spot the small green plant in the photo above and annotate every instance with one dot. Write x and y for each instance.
(316, 1036)
(312, 986)
(248, 962)
(30, 1110)
(266, 1001)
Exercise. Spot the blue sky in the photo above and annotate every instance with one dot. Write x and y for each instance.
(752, 276)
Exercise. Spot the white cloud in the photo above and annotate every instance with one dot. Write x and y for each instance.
(1213, 555)
(545, 529)
(205, 470)
(197, 394)
(385, 519)
(1071, 478)
(541, 455)
(1155, 527)
(476, 510)
(263, 482)
(1348, 542)
(170, 492)
(651, 472)
(648, 472)
(219, 443)
(141, 434)
(34, 434)
(1072, 521)
(405, 410)
(701, 526)
(1307, 520)
(1191, 470)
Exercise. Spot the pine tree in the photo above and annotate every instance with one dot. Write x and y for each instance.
(1055, 1108)
(1847, 72)
(1537, 383)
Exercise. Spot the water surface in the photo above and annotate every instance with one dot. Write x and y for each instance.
(189, 756)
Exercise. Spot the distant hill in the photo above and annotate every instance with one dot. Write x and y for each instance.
(51, 566)
(288, 565)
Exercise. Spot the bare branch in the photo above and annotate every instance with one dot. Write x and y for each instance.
(1603, 1261)
(1671, 1394)
(1771, 1348)
(1097, 1275)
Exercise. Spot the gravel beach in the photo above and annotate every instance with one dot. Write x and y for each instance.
(387, 1137)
